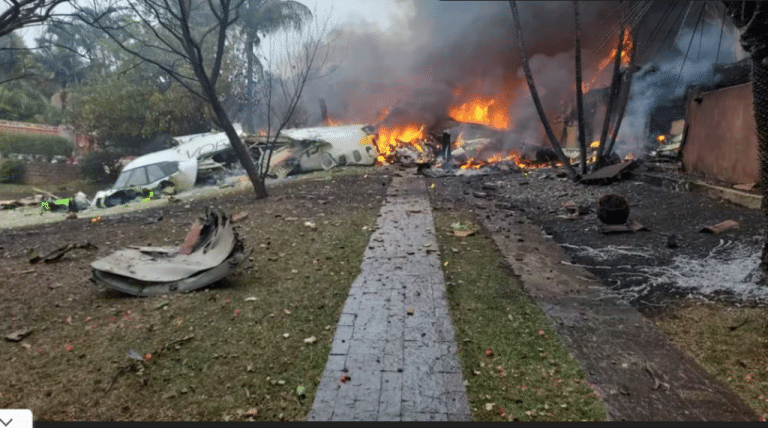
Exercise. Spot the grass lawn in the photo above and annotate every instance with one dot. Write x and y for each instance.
(516, 368)
(729, 342)
(235, 351)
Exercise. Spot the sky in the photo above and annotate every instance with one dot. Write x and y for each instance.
(342, 12)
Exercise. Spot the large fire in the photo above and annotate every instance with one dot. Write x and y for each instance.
(389, 139)
(485, 111)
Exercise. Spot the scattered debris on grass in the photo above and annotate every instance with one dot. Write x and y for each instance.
(57, 254)
(463, 229)
(18, 335)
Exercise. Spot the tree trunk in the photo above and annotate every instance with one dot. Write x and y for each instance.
(240, 149)
(535, 95)
(234, 140)
(579, 94)
(615, 80)
(249, 124)
(760, 97)
(623, 97)
(752, 20)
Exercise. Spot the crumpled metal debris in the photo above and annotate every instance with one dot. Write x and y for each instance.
(211, 251)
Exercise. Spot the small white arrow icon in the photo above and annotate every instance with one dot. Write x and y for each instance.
(6, 423)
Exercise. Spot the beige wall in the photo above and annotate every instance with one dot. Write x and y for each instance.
(721, 141)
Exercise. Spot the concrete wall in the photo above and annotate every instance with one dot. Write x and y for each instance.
(721, 141)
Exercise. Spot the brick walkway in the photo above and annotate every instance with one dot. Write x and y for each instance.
(395, 338)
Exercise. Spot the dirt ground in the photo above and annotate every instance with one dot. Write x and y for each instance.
(695, 292)
(232, 351)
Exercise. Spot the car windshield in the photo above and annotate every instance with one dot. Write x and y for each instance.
(144, 175)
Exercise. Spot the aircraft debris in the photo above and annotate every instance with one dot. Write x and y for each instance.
(211, 251)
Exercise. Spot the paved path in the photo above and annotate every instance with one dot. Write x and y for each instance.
(395, 338)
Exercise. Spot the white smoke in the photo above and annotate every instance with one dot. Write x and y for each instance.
(657, 83)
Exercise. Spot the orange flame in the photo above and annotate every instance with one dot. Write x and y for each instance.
(626, 49)
(262, 133)
(459, 142)
(513, 156)
(484, 111)
(388, 139)
(595, 144)
(661, 139)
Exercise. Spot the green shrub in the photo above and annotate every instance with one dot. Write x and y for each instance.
(47, 146)
(12, 171)
(101, 167)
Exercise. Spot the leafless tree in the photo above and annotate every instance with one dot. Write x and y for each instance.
(22, 13)
(289, 69)
(181, 38)
(535, 95)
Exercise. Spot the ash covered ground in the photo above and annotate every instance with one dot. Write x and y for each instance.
(641, 266)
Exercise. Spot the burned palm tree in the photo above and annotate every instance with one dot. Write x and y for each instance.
(613, 94)
(580, 92)
(535, 95)
(751, 17)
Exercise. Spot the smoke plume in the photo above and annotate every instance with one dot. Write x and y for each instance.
(446, 53)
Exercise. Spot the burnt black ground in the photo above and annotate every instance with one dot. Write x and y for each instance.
(541, 196)
(594, 300)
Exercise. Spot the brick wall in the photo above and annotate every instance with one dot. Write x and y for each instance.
(45, 173)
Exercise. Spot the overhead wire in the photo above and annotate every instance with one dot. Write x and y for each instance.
(685, 18)
(693, 35)
(685, 6)
(656, 30)
(720, 40)
(634, 9)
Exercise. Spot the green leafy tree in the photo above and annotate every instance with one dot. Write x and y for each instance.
(175, 37)
(22, 95)
(125, 112)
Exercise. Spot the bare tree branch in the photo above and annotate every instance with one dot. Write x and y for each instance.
(22, 13)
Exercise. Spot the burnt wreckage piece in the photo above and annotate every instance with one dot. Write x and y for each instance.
(211, 251)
